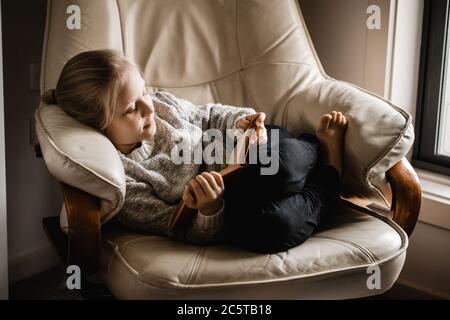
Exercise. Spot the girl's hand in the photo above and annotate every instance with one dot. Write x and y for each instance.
(261, 132)
(205, 193)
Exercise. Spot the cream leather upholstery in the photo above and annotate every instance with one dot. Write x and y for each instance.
(332, 264)
(65, 144)
(253, 53)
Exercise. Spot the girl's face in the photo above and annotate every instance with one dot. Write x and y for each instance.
(134, 118)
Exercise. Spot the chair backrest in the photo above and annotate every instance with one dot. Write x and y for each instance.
(253, 53)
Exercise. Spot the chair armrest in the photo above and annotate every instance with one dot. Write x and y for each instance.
(379, 135)
(406, 195)
(83, 215)
(76, 154)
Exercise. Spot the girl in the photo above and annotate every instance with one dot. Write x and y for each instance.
(263, 213)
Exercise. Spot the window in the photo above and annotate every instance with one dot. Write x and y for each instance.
(443, 143)
(432, 148)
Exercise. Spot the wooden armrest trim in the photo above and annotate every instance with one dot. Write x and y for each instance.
(83, 215)
(406, 195)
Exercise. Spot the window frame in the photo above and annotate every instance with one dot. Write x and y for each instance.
(431, 87)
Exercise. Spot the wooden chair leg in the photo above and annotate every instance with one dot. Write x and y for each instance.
(60, 242)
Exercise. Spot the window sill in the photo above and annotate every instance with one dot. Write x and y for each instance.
(435, 207)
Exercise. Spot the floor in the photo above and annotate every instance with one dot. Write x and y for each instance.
(51, 285)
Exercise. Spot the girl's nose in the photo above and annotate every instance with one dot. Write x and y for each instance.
(148, 108)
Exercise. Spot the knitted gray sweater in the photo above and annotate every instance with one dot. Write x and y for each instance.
(155, 184)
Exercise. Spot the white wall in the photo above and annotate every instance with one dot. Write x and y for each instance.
(3, 234)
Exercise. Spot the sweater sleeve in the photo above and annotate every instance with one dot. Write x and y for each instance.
(209, 226)
(210, 115)
(144, 211)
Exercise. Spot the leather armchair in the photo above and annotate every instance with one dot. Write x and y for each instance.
(245, 53)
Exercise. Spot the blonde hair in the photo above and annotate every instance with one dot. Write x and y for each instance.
(88, 87)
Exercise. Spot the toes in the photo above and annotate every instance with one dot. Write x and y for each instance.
(344, 121)
(334, 114)
(324, 122)
(334, 120)
(341, 119)
(345, 124)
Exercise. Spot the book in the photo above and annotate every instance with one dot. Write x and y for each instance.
(230, 174)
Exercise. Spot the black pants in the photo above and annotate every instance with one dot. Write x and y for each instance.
(273, 213)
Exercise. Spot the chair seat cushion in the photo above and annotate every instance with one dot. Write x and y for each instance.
(332, 264)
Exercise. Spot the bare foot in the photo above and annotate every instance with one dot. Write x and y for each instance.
(330, 131)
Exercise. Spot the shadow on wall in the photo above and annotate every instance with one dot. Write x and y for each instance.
(31, 192)
(348, 50)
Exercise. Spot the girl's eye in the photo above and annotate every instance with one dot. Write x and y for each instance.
(131, 110)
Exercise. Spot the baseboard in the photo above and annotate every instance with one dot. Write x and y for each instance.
(32, 263)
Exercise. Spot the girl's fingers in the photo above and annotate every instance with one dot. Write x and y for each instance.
(207, 190)
(219, 180)
(251, 118)
(198, 191)
(260, 128)
(212, 182)
(263, 137)
(260, 136)
(243, 123)
(261, 118)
